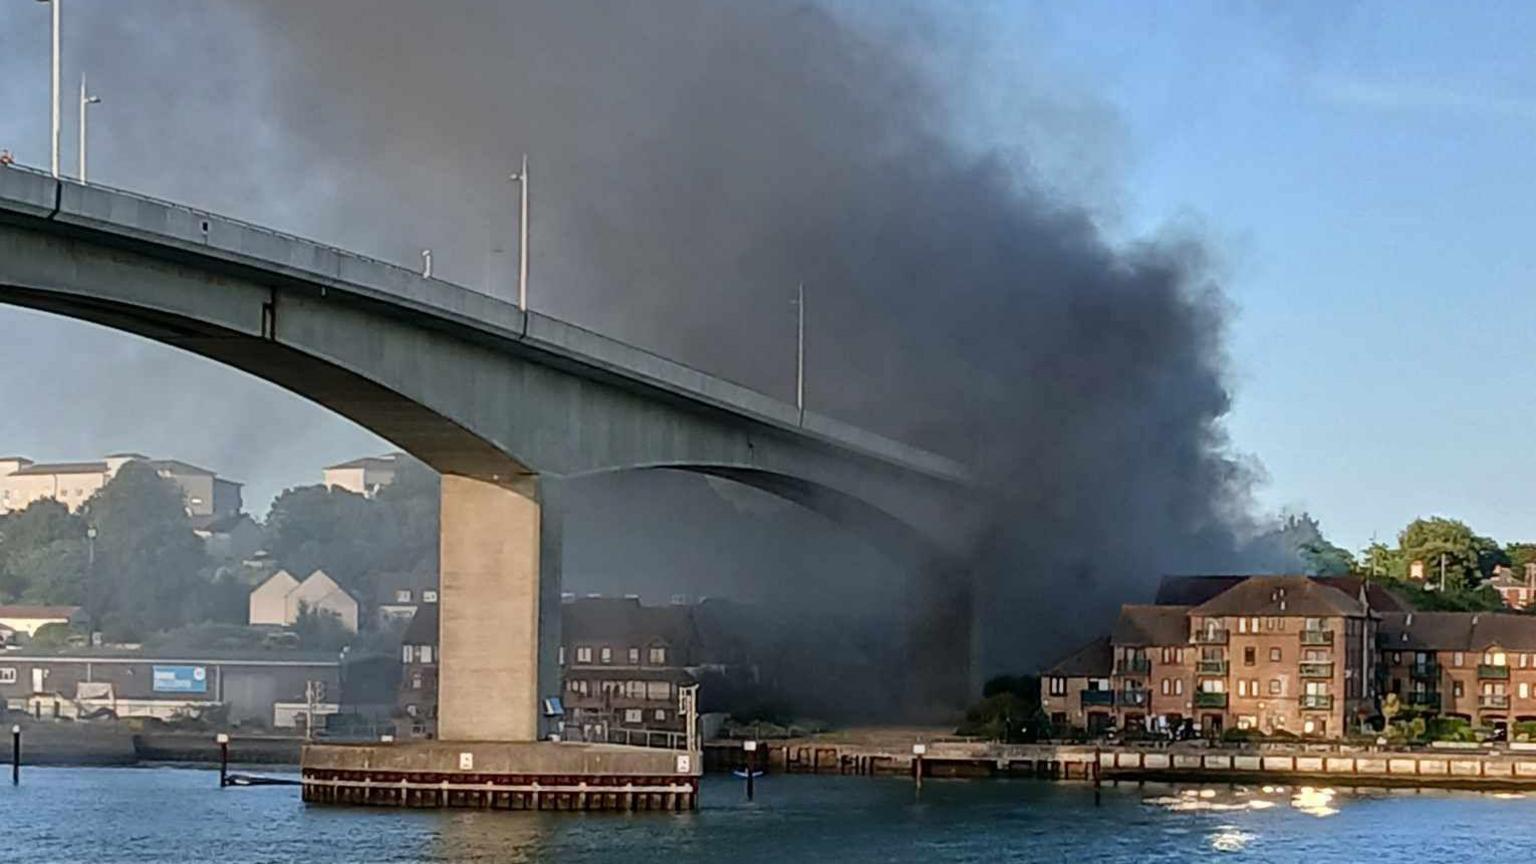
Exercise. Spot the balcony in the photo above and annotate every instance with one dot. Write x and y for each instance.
(1209, 637)
(1493, 700)
(1423, 699)
(1424, 670)
(1316, 701)
(1317, 670)
(1098, 697)
(1317, 637)
(1210, 700)
(1211, 667)
(1134, 666)
(1133, 698)
(1489, 670)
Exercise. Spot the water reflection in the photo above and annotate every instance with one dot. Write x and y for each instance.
(490, 836)
(1230, 838)
(1310, 800)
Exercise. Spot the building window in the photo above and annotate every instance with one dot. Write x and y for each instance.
(1456, 689)
(1274, 655)
(1525, 690)
(1167, 687)
(405, 653)
(1247, 721)
(583, 654)
(561, 661)
(426, 653)
(1457, 658)
(606, 655)
(634, 656)
(1242, 625)
(1242, 687)
(1250, 654)
(410, 710)
(658, 656)
(660, 715)
(415, 680)
(8, 675)
(1178, 686)
(1058, 686)
(633, 715)
(1274, 686)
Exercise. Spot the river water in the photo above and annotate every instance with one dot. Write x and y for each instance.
(107, 816)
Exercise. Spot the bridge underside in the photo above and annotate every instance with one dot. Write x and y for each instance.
(491, 414)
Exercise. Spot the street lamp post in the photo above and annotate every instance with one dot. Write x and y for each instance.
(85, 99)
(521, 179)
(800, 352)
(92, 612)
(54, 107)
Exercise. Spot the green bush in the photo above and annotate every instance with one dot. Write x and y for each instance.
(1525, 730)
(1451, 729)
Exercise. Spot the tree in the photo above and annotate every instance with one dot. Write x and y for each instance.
(1296, 545)
(149, 569)
(353, 538)
(38, 563)
(1520, 554)
(1467, 557)
(320, 629)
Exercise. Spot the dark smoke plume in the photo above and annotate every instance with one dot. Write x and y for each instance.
(692, 162)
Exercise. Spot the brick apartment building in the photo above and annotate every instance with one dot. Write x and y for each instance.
(1076, 692)
(623, 665)
(1270, 653)
(1480, 667)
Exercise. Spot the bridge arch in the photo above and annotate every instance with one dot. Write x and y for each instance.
(488, 395)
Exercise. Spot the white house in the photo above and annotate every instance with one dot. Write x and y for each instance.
(280, 599)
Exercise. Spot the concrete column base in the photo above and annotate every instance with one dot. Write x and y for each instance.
(489, 608)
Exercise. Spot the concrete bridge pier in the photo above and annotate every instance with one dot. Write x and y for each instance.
(499, 602)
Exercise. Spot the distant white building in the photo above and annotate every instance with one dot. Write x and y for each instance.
(23, 482)
(365, 476)
(279, 599)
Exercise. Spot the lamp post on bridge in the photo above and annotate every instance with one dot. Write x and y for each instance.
(521, 179)
(53, 135)
(799, 303)
(86, 99)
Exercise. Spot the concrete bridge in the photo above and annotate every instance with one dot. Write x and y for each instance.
(500, 400)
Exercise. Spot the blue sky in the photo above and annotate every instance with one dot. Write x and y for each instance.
(1361, 175)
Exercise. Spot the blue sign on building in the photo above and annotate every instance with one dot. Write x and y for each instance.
(181, 679)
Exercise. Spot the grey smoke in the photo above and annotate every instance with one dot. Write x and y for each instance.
(692, 162)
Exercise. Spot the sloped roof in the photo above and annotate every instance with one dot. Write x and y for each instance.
(1425, 631)
(388, 460)
(1282, 596)
(42, 468)
(1196, 590)
(1151, 625)
(1379, 596)
(1503, 630)
(34, 612)
(624, 621)
(1093, 660)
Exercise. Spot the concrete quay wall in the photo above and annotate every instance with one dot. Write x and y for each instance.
(501, 775)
